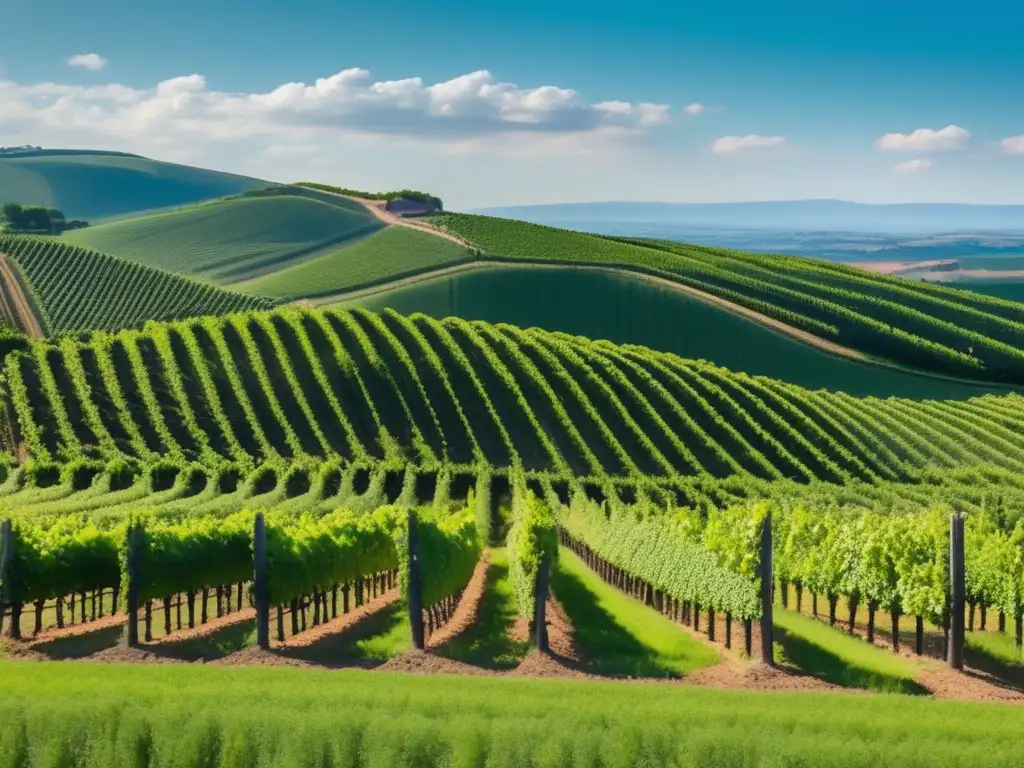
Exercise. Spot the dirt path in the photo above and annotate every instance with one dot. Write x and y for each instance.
(563, 658)
(428, 661)
(466, 611)
(15, 306)
(378, 209)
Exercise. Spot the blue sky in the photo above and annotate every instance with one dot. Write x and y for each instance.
(813, 86)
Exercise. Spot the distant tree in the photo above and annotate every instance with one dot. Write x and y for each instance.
(15, 217)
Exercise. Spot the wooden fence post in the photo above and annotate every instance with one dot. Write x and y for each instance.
(6, 555)
(259, 582)
(767, 578)
(958, 587)
(415, 596)
(540, 600)
(132, 590)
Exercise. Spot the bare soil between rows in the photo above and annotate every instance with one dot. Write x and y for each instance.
(563, 660)
(15, 306)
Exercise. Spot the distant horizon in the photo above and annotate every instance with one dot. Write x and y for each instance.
(763, 201)
(540, 103)
(483, 209)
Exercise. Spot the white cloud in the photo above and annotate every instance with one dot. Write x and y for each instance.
(186, 110)
(92, 61)
(913, 166)
(925, 140)
(1013, 145)
(694, 109)
(728, 144)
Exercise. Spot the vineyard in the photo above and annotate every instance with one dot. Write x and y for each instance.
(355, 386)
(931, 327)
(230, 240)
(194, 474)
(78, 290)
(631, 308)
(333, 422)
(270, 478)
(389, 254)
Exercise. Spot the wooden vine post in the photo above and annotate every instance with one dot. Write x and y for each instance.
(6, 555)
(414, 580)
(540, 600)
(767, 578)
(261, 591)
(131, 636)
(957, 576)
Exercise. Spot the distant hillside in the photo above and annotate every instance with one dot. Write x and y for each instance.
(833, 215)
(931, 328)
(76, 289)
(387, 255)
(234, 239)
(97, 185)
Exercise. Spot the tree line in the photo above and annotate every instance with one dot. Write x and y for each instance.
(16, 218)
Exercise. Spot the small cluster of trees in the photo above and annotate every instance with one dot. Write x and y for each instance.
(35, 219)
(399, 194)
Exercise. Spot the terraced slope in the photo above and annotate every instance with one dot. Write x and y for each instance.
(389, 254)
(360, 387)
(96, 185)
(930, 327)
(230, 240)
(75, 289)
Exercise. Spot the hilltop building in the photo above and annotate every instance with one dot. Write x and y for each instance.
(404, 207)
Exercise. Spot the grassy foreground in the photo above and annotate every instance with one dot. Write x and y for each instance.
(97, 715)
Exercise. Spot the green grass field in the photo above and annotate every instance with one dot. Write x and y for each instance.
(387, 254)
(232, 239)
(97, 185)
(630, 309)
(618, 635)
(105, 715)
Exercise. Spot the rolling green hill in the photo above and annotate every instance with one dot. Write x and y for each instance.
(630, 308)
(76, 289)
(390, 254)
(913, 324)
(231, 239)
(357, 386)
(98, 185)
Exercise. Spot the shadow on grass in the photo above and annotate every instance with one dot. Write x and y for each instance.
(80, 646)
(606, 646)
(216, 645)
(368, 643)
(995, 654)
(487, 643)
(816, 660)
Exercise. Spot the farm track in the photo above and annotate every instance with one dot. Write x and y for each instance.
(467, 610)
(376, 207)
(15, 306)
